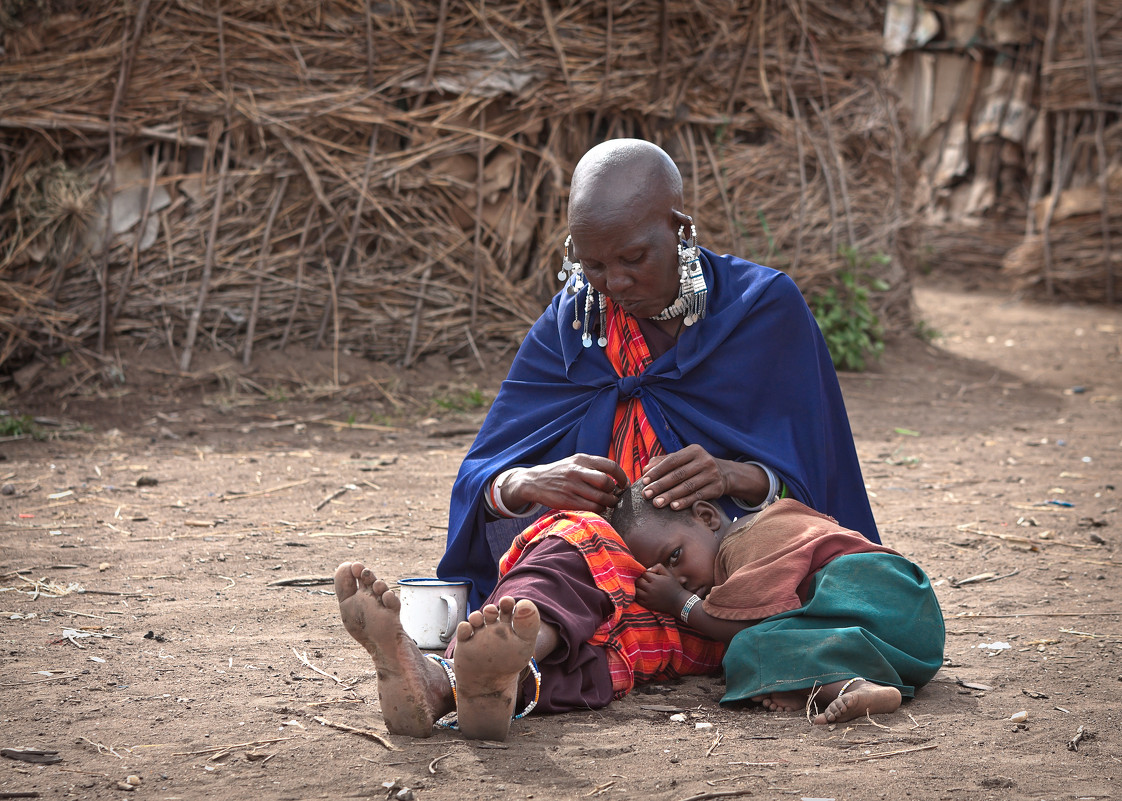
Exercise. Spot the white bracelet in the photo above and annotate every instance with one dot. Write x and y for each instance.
(494, 497)
(772, 490)
(685, 613)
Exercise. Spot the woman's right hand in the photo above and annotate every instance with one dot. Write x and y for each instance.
(580, 483)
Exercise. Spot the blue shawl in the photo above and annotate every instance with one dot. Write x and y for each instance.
(753, 381)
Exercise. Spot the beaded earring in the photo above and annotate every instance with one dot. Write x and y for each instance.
(692, 292)
(573, 277)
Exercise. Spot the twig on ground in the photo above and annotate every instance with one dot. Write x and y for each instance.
(815, 689)
(342, 490)
(718, 794)
(716, 742)
(101, 749)
(715, 782)
(869, 718)
(221, 748)
(432, 765)
(366, 532)
(304, 659)
(1082, 633)
(866, 757)
(600, 789)
(1081, 734)
(237, 496)
(982, 577)
(301, 581)
(373, 735)
(37, 681)
(1039, 614)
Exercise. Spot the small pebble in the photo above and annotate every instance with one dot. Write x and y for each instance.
(1019, 717)
(8, 489)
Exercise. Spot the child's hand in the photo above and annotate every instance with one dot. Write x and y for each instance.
(659, 591)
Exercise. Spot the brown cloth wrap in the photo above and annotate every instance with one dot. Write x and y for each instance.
(765, 566)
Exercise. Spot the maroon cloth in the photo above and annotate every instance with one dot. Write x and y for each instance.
(553, 574)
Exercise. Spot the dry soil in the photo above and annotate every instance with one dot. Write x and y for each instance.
(164, 613)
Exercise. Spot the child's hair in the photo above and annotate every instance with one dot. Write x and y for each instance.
(634, 512)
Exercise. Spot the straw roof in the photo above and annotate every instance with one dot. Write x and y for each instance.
(390, 177)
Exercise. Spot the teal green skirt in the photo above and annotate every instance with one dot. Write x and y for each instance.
(872, 615)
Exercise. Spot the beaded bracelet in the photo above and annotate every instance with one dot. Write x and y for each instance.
(685, 613)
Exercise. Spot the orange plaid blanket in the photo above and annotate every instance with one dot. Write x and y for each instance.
(642, 645)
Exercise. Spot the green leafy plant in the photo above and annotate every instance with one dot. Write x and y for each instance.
(926, 332)
(461, 401)
(852, 329)
(19, 426)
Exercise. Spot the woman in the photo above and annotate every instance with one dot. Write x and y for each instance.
(704, 377)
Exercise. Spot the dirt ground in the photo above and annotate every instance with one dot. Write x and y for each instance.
(164, 612)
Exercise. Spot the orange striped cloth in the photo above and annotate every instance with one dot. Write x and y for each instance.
(633, 443)
(641, 645)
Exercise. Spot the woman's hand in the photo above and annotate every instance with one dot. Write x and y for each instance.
(581, 483)
(660, 592)
(693, 474)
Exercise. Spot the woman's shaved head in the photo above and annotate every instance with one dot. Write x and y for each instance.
(623, 177)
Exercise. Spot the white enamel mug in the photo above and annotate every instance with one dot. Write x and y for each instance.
(431, 608)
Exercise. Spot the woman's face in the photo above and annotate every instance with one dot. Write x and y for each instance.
(630, 256)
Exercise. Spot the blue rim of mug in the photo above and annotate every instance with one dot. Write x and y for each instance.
(431, 582)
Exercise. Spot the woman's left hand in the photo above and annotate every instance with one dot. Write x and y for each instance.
(679, 479)
(693, 474)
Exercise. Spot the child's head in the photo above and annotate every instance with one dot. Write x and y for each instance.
(684, 541)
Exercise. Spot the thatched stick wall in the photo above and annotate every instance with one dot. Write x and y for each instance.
(390, 177)
(1073, 243)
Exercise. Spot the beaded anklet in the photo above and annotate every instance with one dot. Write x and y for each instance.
(450, 720)
(842, 690)
(537, 690)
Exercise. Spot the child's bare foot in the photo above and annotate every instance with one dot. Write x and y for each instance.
(492, 647)
(784, 701)
(860, 698)
(413, 691)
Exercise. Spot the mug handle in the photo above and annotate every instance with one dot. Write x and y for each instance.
(453, 607)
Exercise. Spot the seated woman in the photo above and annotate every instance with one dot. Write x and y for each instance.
(702, 377)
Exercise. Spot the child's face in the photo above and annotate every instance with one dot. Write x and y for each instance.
(686, 547)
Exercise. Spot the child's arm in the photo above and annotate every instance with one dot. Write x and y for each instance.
(658, 590)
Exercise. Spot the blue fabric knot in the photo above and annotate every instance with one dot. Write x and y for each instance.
(629, 386)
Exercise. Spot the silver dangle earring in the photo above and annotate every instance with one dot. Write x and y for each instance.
(573, 276)
(693, 293)
(603, 340)
(589, 300)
